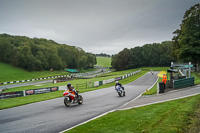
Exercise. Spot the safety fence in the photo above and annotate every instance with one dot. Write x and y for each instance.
(81, 86)
(51, 77)
(98, 83)
(181, 83)
(21, 81)
(27, 92)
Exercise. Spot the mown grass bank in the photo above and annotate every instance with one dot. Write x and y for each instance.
(169, 117)
(103, 61)
(10, 73)
(13, 102)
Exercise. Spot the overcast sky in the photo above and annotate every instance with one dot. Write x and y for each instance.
(97, 26)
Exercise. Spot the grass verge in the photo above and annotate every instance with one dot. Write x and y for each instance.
(13, 102)
(169, 117)
(197, 78)
(153, 90)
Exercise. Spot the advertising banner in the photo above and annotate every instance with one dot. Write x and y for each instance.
(11, 94)
(118, 78)
(40, 91)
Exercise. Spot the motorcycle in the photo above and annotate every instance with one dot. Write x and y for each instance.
(120, 91)
(70, 98)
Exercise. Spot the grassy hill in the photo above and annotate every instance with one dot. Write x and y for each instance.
(103, 61)
(10, 73)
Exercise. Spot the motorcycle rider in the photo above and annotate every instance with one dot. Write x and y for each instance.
(72, 90)
(120, 85)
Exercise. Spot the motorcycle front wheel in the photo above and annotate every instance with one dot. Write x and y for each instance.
(120, 94)
(67, 102)
(80, 99)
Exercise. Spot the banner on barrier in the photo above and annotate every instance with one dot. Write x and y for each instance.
(118, 78)
(40, 91)
(11, 94)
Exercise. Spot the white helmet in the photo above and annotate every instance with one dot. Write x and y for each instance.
(117, 82)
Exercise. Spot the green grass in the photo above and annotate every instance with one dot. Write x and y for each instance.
(13, 102)
(10, 73)
(153, 90)
(103, 61)
(197, 77)
(168, 117)
(155, 68)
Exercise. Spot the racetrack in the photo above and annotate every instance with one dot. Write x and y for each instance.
(53, 116)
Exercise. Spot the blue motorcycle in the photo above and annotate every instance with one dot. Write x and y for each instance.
(120, 91)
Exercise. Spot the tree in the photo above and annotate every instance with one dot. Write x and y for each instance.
(123, 59)
(186, 46)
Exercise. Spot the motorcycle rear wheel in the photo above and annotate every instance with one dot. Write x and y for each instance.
(124, 93)
(67, 102)
(80, 99)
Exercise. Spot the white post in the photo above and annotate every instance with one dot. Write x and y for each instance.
(171, 64)
(189, 68)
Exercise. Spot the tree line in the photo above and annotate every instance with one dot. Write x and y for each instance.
(103, 55)
(156, 54)
(184, 47)
(42, 54)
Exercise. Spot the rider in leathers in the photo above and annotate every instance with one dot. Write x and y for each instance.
(71, 89)
(120, 85)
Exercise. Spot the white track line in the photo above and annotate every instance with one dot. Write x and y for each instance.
(161, 101)
(88, 120)
(140, 94)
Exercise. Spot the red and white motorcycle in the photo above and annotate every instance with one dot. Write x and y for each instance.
(70, 98)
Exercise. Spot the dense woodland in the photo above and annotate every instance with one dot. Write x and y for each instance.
(42, 54)
(148, 55)
(184, 47)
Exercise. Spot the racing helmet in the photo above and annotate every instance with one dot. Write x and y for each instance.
(69, 84)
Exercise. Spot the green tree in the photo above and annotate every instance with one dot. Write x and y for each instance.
(26, 59)
(187, 39)
(123, 59)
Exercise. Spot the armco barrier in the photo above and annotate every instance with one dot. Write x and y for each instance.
(40, 91)
(181, 83)
(27, 92)
(11, 94)
(98, 83)
(21, 81)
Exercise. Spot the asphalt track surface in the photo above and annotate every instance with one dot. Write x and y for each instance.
(53, 116)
